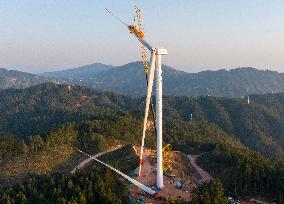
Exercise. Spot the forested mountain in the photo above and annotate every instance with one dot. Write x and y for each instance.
(17, 79)
(129, 79)
(41, 125)
(85, 73)
(41, 109)
(259, 125)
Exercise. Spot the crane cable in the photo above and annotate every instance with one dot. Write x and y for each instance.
(116, 17)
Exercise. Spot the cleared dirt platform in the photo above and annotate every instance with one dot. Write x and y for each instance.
(170, 190)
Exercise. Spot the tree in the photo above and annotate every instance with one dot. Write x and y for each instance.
(209, 193)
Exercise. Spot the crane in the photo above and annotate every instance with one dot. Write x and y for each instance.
(156, 65)
(139, 27)
(155, 70)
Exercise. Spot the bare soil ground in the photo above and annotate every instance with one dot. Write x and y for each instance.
(148, 178)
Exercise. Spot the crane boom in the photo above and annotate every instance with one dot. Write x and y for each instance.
(132, 28)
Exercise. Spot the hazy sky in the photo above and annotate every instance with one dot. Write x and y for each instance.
(41, 35)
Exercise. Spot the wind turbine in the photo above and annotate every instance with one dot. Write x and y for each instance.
(154, 71)
(156, 55)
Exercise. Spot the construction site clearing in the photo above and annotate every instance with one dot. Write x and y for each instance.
(180, 177)
(178, 184)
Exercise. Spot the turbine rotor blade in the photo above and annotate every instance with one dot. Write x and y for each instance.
(136, 183)
(146, 44)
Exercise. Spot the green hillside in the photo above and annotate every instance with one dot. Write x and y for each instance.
(240, 143)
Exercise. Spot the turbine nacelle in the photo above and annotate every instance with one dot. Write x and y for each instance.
(161, 51)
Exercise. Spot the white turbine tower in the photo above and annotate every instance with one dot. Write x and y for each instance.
(155, 65)
(159, 115)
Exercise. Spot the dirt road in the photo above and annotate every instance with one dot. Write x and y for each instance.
(199, 174)
(85, 162)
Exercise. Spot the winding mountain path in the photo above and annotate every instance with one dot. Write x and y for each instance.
(200, 175)
(85, 162)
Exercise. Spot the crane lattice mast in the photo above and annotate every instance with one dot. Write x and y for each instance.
(138, 16)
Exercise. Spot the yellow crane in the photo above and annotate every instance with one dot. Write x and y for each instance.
(155, 70)
(138, 32)
(139, 29)
(168, 159)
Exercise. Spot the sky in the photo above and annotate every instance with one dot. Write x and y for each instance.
(46, 35)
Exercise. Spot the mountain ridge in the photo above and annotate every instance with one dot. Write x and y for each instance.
(129, 79)
(83, 71)
(18, 79)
